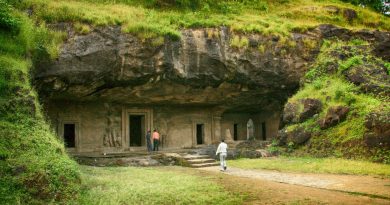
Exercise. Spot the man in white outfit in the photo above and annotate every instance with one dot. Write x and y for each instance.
(222, 151)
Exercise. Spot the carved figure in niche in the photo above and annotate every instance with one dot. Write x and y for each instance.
(228, 136)
(107, 139)
(250, 130)
(111, 137)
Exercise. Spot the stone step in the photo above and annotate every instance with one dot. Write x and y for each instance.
(200, 161)
(205, 165)
(191, 157)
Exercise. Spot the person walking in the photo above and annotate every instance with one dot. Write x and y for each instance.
(149, 141)
(156, 140)
(222, 151)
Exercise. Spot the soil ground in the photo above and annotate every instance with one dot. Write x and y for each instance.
(272, 187)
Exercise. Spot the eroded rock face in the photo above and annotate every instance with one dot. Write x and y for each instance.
(199, 69)
(202, 68)
(372, 79)
(310, 108)
(378, 129)
(299, 135)
(301, 111)
(334, 116)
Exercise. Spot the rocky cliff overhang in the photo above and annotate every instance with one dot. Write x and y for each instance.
(203, 68)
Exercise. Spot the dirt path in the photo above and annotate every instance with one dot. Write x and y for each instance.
(347, 183)
(272, 187)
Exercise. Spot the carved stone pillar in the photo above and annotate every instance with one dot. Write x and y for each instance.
(216, 129)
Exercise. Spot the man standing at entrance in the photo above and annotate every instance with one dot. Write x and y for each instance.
(156, 140)
(149, 141)
(222, 151)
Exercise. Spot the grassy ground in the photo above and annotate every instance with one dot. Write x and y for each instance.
(131, 185)
(34, 167)
(156, 18)
(315, 165)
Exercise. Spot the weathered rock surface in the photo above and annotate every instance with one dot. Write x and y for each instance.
(378, 129)
(334, 116)
(373, 79)
(201, 69)
(310, 108)
(298, 136)
(383, 50)
(111, 66)
(301, 111)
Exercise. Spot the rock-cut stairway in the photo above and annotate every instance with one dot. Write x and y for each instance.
(197, 161)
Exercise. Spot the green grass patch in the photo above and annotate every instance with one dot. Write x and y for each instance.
(345, 65)
(315, 165)
(131, 185)
(156, 18)
(34, 167)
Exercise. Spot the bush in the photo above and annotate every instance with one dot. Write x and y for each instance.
(7, 21)
(387, 65)
(355, 60)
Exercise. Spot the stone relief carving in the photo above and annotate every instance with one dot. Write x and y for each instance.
(250, 129)
(111, 138)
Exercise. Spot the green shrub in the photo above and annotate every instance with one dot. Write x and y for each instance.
(387, 65)
(345, 65)
(8, 22)
(357, 42)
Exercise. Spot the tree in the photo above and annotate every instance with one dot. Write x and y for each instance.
(378, 5)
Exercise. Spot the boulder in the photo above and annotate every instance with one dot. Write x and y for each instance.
(298, 136)
(378, 129)
(290, 112)
(334, 115)
(281, 137)
(294, 113)
(310, 108)
(255, 153)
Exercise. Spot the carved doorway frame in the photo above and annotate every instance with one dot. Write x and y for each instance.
(61, 124)
(126, 112)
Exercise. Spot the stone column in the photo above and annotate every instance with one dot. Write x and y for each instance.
(216, 129)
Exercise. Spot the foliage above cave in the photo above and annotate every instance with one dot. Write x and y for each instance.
(167, 17)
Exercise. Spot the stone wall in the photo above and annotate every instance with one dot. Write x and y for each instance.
(271, 120)
(104, 127)
(178, 125)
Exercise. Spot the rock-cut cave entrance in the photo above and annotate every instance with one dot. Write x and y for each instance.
(199, 133)
(70, 135)
(137, 130)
